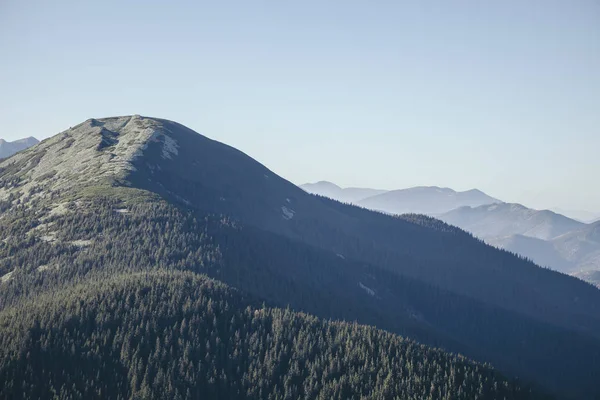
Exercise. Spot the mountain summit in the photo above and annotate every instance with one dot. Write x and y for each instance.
(122, 214)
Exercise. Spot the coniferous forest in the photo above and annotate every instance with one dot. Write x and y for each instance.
(173, 335)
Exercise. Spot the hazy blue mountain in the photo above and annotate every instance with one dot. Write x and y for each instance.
(500, 220)
(576, 253)
(549, 239)
(429, 200)
(345, 195)
(128, 197)
(542, 252)
(7, 149)
(581, 247)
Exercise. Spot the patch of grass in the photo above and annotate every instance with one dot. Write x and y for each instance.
(125, 194)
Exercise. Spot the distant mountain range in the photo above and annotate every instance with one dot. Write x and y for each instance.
(428, 200)
(7, 149)
(548, 238)
(507, 219)
(345, 195)
(576, 253)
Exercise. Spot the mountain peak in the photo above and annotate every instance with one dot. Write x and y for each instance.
(92, 151)
(325, 184)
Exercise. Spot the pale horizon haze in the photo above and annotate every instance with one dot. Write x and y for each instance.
(499, 96)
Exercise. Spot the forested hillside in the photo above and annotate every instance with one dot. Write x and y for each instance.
(130, 196)
(182, 336)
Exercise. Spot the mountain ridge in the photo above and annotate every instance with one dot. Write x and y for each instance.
(429, 200)
(511, 218)
(402, 201)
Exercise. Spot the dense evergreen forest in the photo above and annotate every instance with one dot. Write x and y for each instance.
(177, 335)
(82, 226)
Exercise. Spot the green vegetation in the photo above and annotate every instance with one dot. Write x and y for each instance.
(182, 336)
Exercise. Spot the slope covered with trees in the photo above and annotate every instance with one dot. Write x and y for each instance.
(182, 336)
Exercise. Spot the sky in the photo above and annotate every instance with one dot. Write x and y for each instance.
(502, 96)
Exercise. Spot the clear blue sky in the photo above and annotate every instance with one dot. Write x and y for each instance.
(499, 95)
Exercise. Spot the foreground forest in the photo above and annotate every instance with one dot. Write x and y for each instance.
(182, 336)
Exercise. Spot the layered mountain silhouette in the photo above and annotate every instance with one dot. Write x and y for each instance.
(345, 195)
(7, 149)
(99, 222)
(531, 233)
(549, 239)
(576, 252)
(429, 200)
(511, 219)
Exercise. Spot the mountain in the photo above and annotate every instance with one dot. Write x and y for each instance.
(542, 252)
(131, 198)
(7, 149)
(576, 252)
(429, 200)
(507, 219)
(345, 195)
